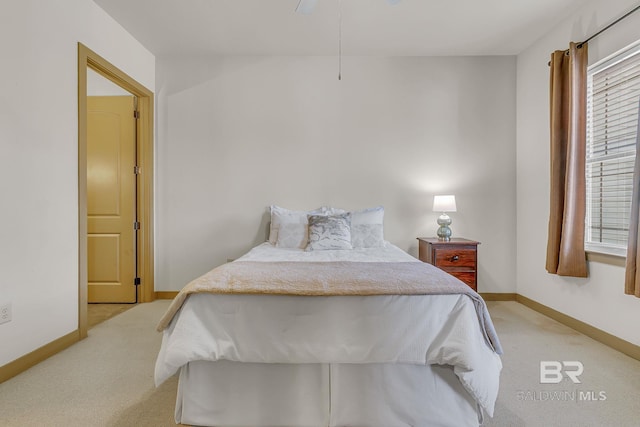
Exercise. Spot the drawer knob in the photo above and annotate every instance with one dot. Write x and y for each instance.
(455, 258)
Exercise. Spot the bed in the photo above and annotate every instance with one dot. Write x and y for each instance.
(356, 335)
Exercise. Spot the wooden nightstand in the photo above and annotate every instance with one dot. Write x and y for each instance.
(458, 257)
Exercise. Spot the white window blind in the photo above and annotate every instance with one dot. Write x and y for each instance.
(613, 93)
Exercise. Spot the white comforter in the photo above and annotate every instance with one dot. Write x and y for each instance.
(415, 329)
(268, 253)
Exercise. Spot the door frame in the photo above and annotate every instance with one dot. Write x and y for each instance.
(144, 203)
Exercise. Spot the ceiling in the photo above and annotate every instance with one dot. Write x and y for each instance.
(369, 27)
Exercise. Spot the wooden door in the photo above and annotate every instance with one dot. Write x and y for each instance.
(111, 199)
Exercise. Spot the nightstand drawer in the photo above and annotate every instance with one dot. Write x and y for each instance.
(455, 258)
(468, 277)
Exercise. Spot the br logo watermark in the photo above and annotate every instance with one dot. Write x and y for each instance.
(551, 371)
(555, 372)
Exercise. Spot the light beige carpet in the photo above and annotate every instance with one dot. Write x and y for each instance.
(104, 380)
(107, 379)
(98, 313)
(529, 338)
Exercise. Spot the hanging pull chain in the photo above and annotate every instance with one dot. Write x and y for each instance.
(339, 39)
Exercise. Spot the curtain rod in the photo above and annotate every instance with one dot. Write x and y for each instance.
(608, 26)
(603, 30)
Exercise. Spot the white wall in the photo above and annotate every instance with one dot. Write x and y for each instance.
(598, 300)
(39, 166)
(237, 134)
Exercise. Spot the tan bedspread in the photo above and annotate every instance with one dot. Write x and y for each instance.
(330, 279)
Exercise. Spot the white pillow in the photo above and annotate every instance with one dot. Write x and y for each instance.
(329, 232)
(329, 210)
(367, 230)
(289, 229)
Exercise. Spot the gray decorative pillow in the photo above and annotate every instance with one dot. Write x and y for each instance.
(329, 232)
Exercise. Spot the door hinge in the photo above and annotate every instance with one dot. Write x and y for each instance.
(136, 170)
(136, 225)
(136, 281)
(136, 114)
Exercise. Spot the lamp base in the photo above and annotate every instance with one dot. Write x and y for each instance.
(444, 232)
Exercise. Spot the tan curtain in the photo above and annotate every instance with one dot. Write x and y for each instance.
(631, 279)
(565, 245)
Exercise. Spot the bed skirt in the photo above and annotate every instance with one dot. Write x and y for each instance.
(225, 394)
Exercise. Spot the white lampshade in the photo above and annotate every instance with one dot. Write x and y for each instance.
(444, 203)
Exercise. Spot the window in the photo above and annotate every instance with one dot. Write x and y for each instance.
(613, 93)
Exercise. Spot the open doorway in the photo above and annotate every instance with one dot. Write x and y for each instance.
(96, 239)
(112, 268)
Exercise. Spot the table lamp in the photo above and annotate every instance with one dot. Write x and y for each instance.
(444, 204)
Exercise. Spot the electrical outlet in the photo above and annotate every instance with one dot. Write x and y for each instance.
(5, 313)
